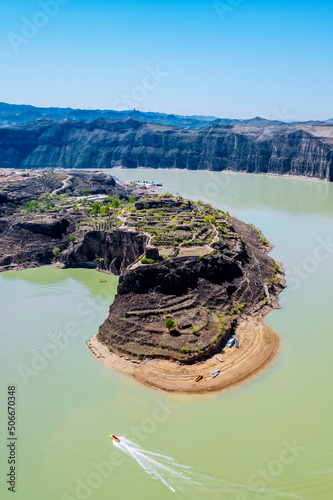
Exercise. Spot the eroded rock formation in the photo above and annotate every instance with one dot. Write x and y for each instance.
(298, 149)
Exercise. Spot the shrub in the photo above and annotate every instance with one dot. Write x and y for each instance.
(31, 206)
(276, 267)
(144, 260)
(56, 252)
(263, 240)
(72, 239)
(169, 324)
(184, 350)
(240, 308)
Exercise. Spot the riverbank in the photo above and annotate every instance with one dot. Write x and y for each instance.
(258, 345)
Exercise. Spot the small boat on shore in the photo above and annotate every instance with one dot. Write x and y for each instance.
(237, 343)
(102, 281)
(112, 436)
(199, 377)
(219, 359)
(215, 374)
(230, 342)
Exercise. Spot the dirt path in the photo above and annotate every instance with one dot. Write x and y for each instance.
(64, 185)
(258, 345)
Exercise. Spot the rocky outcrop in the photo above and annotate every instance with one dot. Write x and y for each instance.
(31, 243)
(112, 251)
(298, 149)
(55, 229)
(203, 297)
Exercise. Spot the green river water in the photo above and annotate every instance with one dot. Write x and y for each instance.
(269, 438)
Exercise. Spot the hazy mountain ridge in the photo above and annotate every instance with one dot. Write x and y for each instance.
(14, 114)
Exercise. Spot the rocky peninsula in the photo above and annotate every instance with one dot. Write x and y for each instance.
(191, 276)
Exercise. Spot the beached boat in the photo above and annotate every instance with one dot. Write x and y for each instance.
(112, 436)
(215, 374)
(230, 342)
(219, 359)
(237, 343)
(199, 377)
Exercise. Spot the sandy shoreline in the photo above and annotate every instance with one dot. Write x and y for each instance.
(258, 345)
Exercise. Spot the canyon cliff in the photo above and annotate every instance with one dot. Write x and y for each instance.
(295, 149)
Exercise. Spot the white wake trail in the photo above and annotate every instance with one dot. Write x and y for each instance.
(177, 476)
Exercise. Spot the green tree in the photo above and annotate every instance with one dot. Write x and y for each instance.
(56, 252)
(116, 203)
(106, 209)
(132, 199)
(31, 206)
(169, 324)
(72, 239)
(86, 192)
(95, 209)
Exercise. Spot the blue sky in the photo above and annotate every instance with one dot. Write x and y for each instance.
(229, 58)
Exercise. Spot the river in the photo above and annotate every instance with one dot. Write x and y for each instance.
(269, 438)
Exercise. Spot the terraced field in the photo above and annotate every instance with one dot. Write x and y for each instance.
(174, 223)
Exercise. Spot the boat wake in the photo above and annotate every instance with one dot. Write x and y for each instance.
(178, 477)
(159, 466)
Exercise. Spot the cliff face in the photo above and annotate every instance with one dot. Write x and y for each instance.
(282, 149)
(118, 249)
(31, 243)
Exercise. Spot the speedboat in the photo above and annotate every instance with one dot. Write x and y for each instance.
(112, 436)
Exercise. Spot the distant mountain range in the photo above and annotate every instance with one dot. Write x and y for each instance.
(14, 114)
(293, 149)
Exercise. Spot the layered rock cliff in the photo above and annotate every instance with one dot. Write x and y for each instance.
(203, 297)
(282, 149)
